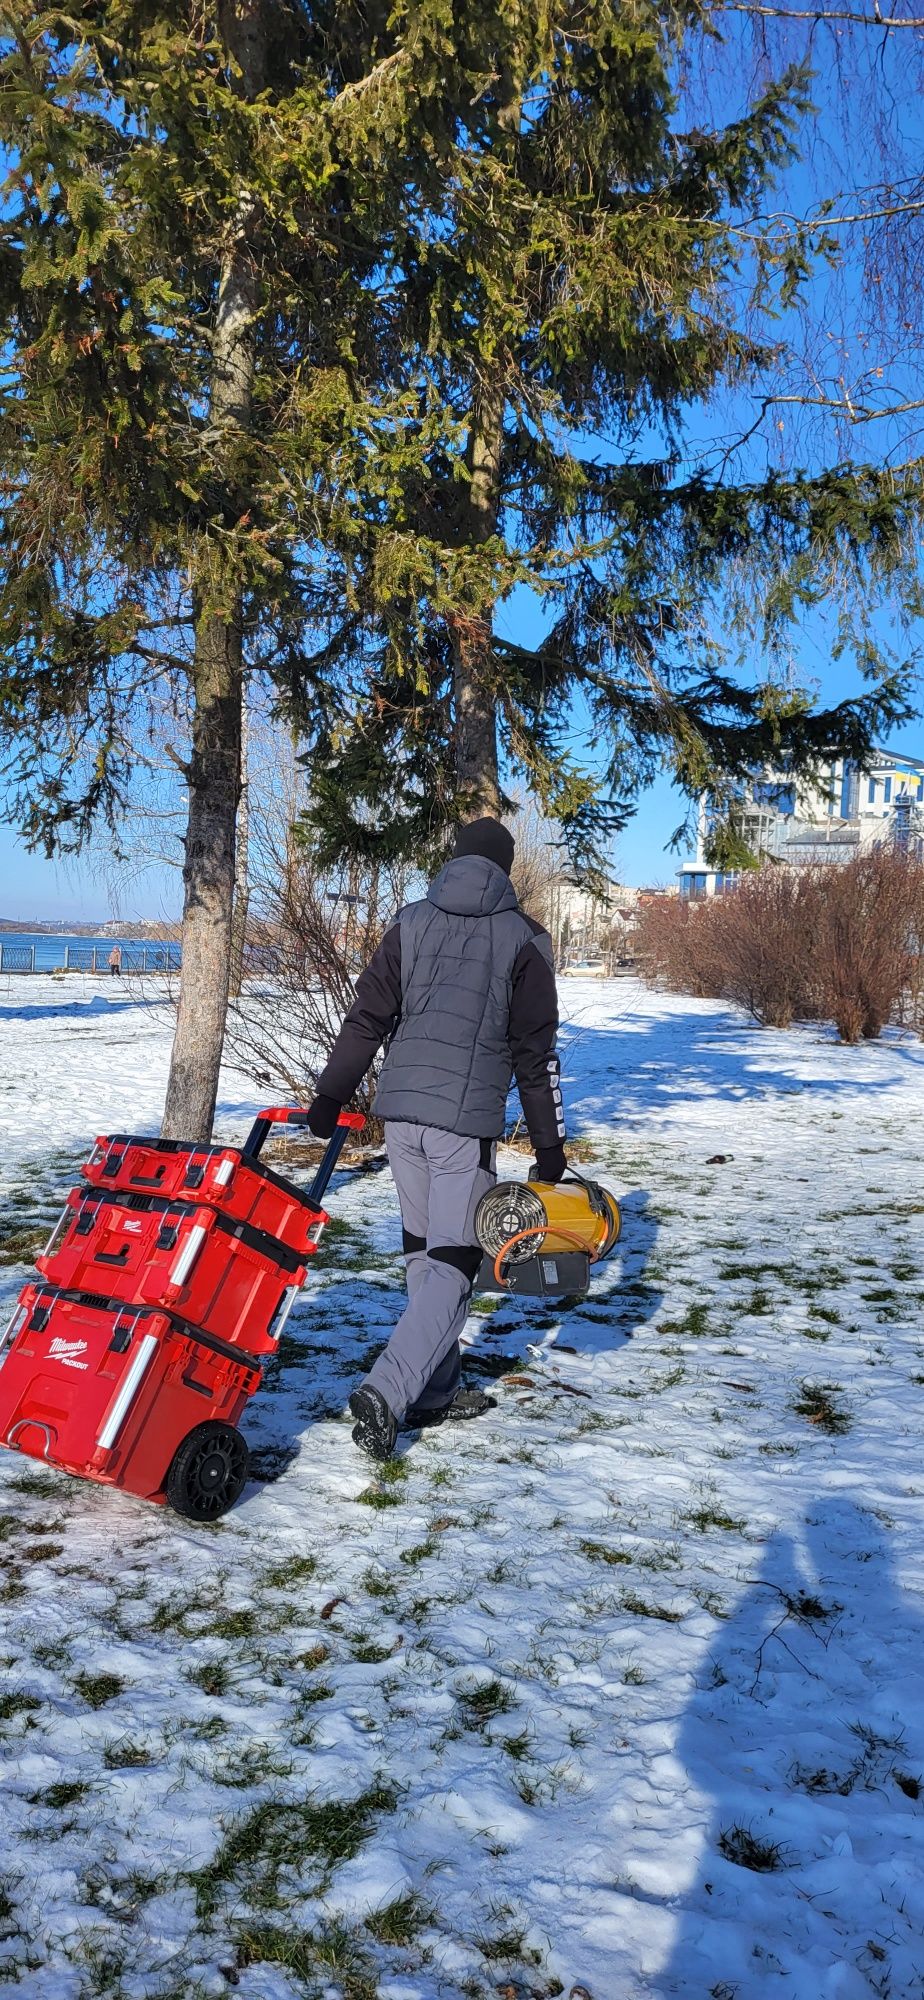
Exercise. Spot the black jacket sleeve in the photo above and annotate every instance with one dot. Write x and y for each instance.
(533, 1028)
(370, 1020)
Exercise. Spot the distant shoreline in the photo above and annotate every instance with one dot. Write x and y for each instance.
(150, 932)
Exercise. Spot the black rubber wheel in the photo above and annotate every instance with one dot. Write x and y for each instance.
(208, 1472)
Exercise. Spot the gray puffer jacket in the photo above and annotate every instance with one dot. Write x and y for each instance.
(463, 988)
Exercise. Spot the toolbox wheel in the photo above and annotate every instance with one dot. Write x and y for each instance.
(208, 1472)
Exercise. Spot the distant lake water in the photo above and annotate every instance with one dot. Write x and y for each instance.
(82, 954)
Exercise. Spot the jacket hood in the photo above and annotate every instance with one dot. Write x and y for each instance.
(472, 886)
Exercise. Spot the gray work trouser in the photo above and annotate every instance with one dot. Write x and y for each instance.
(440, 1179)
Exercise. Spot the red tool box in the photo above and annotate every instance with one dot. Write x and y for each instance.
(233, 1281)
(131, 1364)
(223, 1177)
(106, 1389)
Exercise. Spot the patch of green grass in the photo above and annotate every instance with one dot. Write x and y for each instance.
(829, 1314)
(239, 1624)
(748, 1850)
(13, 1703)
(817, 1403)
(709, 1514)
(296, 1569)
(694, 1325)
(19, 1243)
(641, 1607)
(317, 1691)
(369, 1653)
(298, 1952)
(211, 1677)
(507, 1946)
(485, 1699)
(32, 1483)
(97, 1689)
(313, 1658)
(399, 1922)
(378, 1497)
(597, 1552)
(392, 1471)
(418, 1553)
(125, 1754)
(59, 1796)
(517, 1747)
(258, 1846)
(805, 1605)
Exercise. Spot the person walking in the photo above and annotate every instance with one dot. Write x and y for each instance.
(115, 962)
(462, 990)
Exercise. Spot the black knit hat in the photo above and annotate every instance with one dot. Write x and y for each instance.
(488, 838)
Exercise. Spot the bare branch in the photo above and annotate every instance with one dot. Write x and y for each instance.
(873, 20)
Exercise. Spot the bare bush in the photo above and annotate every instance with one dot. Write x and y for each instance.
(763, 938)
(310, 933)
(838, 943)
(869, 942)
(674, 946)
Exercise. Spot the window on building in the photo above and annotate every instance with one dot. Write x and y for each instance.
(921, 788)
(887, 790)
(769, 792)
(871, 794)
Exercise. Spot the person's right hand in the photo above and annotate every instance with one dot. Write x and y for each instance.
(322, 1116)
(551, 1164)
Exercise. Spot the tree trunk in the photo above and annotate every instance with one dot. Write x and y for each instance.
(214, 770)
(475, 707)
(241, 867)
(208, 881)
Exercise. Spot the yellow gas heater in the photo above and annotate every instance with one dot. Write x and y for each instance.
(540, 1237)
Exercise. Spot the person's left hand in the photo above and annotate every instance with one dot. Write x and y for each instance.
(551, 1164)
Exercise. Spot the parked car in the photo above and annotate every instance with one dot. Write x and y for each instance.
(588, 968)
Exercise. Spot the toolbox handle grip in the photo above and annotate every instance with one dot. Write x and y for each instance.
(348, 1121)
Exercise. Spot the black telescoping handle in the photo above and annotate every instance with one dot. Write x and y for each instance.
(335, 1145)
(348, 1121)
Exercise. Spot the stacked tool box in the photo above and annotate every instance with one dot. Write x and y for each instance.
(167, 1280)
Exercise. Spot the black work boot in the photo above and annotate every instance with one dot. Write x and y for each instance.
(466, 1403)
(375, 1430)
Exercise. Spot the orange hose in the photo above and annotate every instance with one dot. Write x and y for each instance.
(538, 1229)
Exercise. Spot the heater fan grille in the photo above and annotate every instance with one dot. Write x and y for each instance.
(506, 1210)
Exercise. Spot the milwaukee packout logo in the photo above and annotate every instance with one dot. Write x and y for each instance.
(67, 1352)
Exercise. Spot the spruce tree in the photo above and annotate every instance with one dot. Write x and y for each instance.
(189, 331)
(587, 279)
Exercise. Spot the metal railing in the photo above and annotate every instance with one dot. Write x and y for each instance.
(140, 958)
(17, 958)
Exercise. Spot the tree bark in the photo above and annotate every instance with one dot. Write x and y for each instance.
(474, 703)
(241, 867)
(214, 770)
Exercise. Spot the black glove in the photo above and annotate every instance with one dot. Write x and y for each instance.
(551, 1164)
(322, 1117)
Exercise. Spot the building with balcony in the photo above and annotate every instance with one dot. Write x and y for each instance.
(828, 818)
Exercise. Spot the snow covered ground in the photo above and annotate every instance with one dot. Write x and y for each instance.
(617, 1692)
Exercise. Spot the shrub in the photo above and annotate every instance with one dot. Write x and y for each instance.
(842, 943)
(869, 941)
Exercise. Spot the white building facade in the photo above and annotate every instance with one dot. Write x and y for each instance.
(832, 817)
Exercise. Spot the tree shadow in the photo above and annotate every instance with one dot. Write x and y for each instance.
(800, 1782)
(647, 1062)
(98, 1004)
